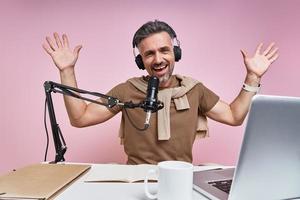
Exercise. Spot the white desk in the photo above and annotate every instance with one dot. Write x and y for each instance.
(109, 191)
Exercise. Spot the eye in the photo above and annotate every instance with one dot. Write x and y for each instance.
(165, 50)
(148, 54)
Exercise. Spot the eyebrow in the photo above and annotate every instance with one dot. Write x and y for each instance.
(165, 48)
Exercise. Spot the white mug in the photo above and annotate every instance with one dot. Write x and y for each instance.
(175, 181)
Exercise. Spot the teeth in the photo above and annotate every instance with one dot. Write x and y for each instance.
(161, 67)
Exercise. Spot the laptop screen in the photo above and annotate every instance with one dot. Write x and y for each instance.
(269, 159)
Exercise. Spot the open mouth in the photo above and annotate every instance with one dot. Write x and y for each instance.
(159, 68)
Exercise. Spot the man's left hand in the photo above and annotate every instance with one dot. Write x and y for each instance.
(261, 61)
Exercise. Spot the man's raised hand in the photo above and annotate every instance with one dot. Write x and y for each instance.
(61, 53)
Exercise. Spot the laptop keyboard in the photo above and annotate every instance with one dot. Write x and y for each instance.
(223, 185)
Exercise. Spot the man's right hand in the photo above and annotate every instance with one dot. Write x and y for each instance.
(64, 58)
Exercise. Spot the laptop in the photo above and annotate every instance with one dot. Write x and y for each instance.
(269, 161)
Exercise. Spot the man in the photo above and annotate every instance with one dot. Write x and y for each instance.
(187, 101)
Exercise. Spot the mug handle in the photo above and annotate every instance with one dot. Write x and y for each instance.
(148, 194)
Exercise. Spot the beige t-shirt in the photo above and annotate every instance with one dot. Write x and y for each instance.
(144, 146)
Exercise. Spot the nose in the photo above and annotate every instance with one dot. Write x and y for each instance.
(158, 59)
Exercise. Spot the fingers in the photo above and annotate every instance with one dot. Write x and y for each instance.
(77, 49)
(271, 52)
(274, 57)
(47, 48)
(57, 40)
(258, 49)
(51, 43)
(244, 53)
(65, 41)
(268, 49)
(57, 44)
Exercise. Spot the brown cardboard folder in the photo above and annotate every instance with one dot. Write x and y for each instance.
(38, 181)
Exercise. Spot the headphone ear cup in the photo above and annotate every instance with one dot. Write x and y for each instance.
(139, 62)
(177, 53)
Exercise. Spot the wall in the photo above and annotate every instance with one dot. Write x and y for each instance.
(211, 33)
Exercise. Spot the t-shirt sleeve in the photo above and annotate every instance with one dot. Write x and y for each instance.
(116, 92)
(208, 99)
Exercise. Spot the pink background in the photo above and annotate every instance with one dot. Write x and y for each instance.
(211, 33)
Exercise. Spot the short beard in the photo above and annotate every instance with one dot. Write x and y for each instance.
(167, 76)
(164, 78)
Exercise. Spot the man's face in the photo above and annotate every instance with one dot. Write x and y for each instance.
(158, 56)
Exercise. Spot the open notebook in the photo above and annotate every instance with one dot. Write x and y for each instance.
(129, 173)
(120, 173)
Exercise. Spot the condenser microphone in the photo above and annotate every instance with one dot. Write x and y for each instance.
(151, 104)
